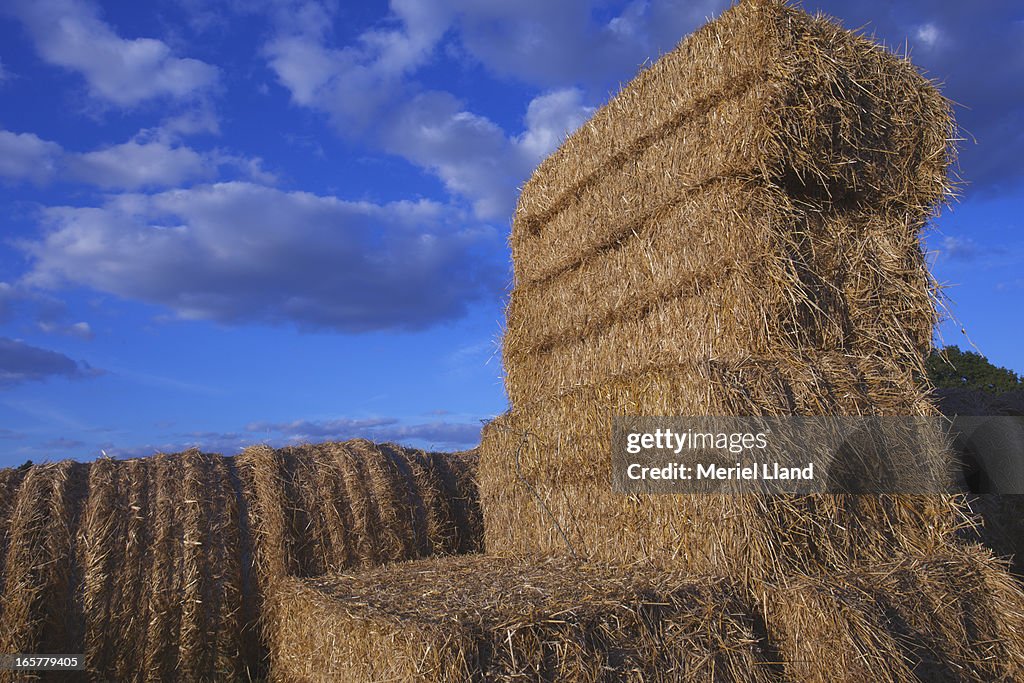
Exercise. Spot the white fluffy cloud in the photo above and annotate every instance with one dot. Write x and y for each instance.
(134, 164)
(471, 154)
(370, 89)
(573, 42)
(25, 156)
(70, 34)
(236, 252)
(549, 117)
(152, 159)
(354, 82)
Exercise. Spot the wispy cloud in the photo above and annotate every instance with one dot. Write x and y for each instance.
(434, 129)
(438, 433)
(959, 248)
(80, 330)
(61, 444)
(51, 417)
(167, 383)
(152, 159)
(21, 362)
(46, 313)
(929, 35)
(25, 156)
(125, 72)
(969, 251)
(134, 164)
(239, 252)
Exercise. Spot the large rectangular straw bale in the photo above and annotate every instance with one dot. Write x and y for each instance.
(328, 507)
(676, 331)
(946, 614)
(664, 175)
(855, 280)
(477, 618)
(684, 249)
(160, 567)
(573, 430)
(833, 115)
(613, 135)
(546, 494)
(39, 609)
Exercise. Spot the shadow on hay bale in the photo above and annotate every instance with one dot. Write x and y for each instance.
(160, 568)
(1001, 515)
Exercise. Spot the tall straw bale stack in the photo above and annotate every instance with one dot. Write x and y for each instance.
(484, 618)
(756, 194)
(735, 233)
(158, 568)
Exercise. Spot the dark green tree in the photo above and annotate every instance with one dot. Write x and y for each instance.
(952, 368)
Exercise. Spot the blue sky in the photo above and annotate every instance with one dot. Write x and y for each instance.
(228, 222)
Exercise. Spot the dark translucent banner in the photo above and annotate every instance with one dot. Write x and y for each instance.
(863, 455)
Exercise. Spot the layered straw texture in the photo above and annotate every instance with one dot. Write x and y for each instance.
(766, 92)
(952, 614)
(160, 568)
(480, 618)
(735, 233)
(921, 616)
(757, 193)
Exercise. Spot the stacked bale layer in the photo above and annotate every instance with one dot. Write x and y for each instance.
(926, 616)
(158, 568)
(335, 506)
(558, 499)
(483, 618)
(952, 614)
(735, 233)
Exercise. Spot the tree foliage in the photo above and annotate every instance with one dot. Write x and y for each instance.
(952, 368)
